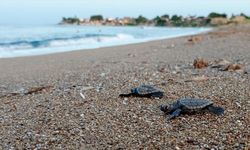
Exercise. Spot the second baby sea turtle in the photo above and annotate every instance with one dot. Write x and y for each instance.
(188, 105)
(145, 91)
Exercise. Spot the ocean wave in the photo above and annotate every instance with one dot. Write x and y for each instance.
(64, 41)
(27, 41)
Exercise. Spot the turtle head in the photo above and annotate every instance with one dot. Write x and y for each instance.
(134, 90)
(165, 108)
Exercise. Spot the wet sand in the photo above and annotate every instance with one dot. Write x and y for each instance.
(41, 105)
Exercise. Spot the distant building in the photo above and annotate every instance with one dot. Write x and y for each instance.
(219, 21)
(238, 19)
(127, 21)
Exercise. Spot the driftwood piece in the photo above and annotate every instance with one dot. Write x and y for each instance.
(200, 63)
(32, 90)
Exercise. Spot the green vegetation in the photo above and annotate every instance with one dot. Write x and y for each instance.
(216, 15)
(131, 24)
(159, 21)
(166, 16)
(213, 19)
(141, 20)
(247, 17)
(73, 20)
(177, 20)
(96, 18)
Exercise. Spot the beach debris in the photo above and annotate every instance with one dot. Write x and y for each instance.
(225, 65)
(162, 69)
(82, 115)
(200, 63)
(221, 63)
(171, 80)
(195, 39)
(198, 79)
(131, 55)
(192, 141)
(145, 91)
(238, 104)
(102, 74)
(85, 88)
(19, 91)
(233, 67)
(171, 46)
(23, 91)
(155, 50)
(125, 101)
(189, 105)
(82, 96)
(177, 70)
(247, 69)
(35, 90)
(99, 87)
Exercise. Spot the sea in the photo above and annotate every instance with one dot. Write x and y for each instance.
(17, 41)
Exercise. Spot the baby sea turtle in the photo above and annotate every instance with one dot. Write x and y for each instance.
(145, 91)
(189, 106)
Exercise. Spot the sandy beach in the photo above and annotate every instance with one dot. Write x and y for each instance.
(71, 100)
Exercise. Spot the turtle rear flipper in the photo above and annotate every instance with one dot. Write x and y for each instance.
(157, 95)
(126, 95)
(216, 110)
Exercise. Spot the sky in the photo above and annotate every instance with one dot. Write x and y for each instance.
(51, 11)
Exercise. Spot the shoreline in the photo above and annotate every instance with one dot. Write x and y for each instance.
(89, 54)
(100, 44)
(70, 100)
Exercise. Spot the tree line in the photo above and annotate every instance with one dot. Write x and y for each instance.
(164, 20)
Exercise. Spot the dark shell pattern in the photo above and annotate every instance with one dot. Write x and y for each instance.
(146, 89)
(195, 103)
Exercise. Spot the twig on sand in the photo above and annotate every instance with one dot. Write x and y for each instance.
(33, 90)
(82, 96)
(85, 88)
(200, 79)
(37, 89)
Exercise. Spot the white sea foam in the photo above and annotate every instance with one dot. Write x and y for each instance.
(26, 41)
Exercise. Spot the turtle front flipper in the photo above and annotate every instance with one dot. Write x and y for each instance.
(216, 110)
(174, 114)
(126, 95)
(163, 108)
